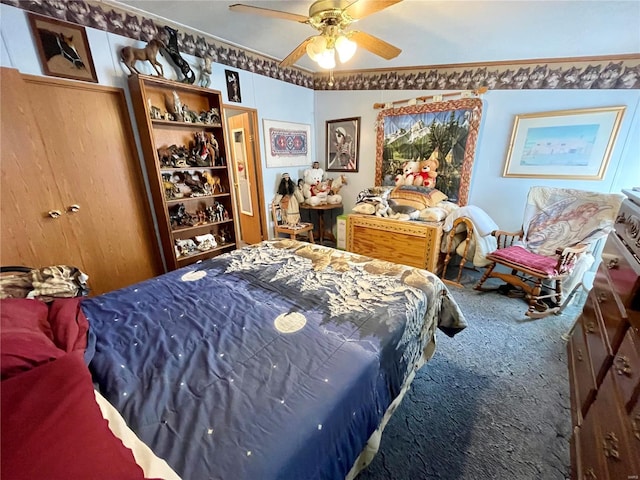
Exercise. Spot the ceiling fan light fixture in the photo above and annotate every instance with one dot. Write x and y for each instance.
(327, 59)
(346, 48)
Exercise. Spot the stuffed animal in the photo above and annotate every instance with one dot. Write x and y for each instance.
(428, 174)
(410, 170)
(315, 190)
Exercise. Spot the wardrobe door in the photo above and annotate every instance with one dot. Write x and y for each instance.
(33, 228)
(89, 140)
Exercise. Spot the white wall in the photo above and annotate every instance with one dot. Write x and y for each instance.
(502, 198)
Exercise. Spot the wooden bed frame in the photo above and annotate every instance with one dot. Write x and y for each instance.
(416, 244)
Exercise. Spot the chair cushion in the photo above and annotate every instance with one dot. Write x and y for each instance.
(516, 256)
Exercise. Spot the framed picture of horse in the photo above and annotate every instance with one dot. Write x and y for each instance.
(63, 48)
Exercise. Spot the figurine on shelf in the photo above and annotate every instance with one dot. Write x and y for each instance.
(205, 72)
(129, 56)
(173, 104)
(178, 216)
(170, 188)
(206, 242)
(213, 182)
(189, 115)
(210, 211)
(193, 182)
(185, 247)
(154, 112)
(220, 211)
(201, 150)
(171, 51)
(211, 117)
(224, 236)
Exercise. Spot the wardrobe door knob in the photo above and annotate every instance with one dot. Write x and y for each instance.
(73, 208)
(54, 213)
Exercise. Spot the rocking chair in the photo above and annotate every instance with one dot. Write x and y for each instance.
(554, 246)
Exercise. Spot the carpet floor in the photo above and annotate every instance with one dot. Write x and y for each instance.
(492, 403)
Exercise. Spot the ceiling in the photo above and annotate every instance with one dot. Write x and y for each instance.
(428, 32)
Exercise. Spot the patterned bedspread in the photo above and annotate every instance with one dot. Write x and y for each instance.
(276, 361)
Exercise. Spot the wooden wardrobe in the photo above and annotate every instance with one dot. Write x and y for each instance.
(72, 190)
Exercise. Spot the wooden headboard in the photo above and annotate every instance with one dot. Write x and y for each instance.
(446, 131)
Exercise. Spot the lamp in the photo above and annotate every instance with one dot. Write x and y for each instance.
(322, 49)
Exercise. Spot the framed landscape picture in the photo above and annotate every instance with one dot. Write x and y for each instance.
(63, 48)
(573, 144)
(343, 144)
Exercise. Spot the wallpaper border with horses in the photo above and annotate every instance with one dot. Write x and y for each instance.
(602, 72)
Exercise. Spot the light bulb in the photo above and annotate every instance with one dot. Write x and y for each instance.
(346, 48)
(327, 59)
(316, 47)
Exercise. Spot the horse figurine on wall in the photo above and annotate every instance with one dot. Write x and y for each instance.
(54, 44)
(171, 50)
(130, 55)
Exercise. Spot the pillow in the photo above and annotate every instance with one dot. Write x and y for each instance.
(433, 214)
(365, 208)
(33, 333)
(416, 197)
(52, 427)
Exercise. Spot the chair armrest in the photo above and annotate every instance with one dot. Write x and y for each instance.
(506, 239)
(567, 256)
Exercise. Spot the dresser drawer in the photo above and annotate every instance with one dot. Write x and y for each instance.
(610, 425)
(626, 367)
(582, 378)
(600, 352)
(614, 314)
(619, 264)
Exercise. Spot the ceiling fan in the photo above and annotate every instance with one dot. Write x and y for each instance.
(332, 18)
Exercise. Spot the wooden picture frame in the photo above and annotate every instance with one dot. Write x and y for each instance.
(443, 131)
(63, 48)
(343, 144)
(572, 144)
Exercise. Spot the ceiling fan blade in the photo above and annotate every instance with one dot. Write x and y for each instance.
(299, 51)
(375, 45)
(362, 8)
(267, 12)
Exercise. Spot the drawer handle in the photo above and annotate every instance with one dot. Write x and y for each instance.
(612, 264)
(591, 327)
(579, 354)
(635, 426)
(610, 446)
(602, 296)
(622, 365)
(589, 474)
(54, 213)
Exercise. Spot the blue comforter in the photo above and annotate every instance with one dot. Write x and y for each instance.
(276, 361)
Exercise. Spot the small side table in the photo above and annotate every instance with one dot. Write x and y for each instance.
(320, 209)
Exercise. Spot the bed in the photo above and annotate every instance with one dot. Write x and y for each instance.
(282, 360)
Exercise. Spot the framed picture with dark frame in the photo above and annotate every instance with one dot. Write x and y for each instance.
(233, 86)
(63, 48)
(343, 144)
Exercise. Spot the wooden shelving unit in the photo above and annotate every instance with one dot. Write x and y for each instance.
(177, 180)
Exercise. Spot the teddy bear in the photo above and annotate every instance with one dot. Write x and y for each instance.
(427, 175)
(316, 191)
(410, 170)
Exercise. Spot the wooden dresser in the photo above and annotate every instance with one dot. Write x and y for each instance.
(416, 244)
(604, 372)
